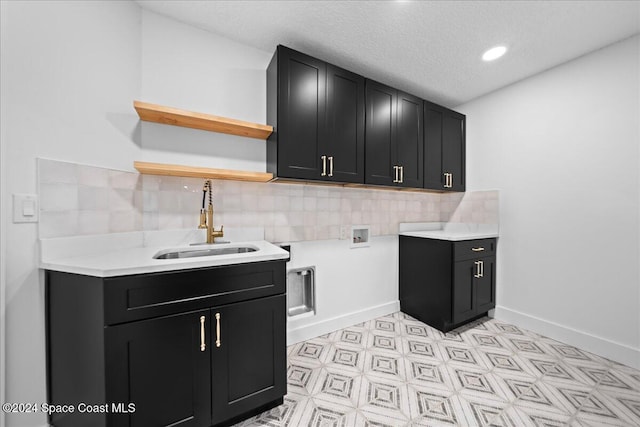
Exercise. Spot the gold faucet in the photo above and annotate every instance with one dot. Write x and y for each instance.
(206, 216)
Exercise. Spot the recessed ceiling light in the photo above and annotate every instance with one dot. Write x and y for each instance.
(494, 53)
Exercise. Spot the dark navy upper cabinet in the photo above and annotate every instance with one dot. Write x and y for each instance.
(444, 148)
(317, 111)
(393, 137)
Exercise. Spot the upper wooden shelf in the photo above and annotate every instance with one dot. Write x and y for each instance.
(176, 117)
(199, 172)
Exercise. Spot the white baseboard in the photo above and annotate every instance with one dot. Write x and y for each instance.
(313, 330)
(612, 350)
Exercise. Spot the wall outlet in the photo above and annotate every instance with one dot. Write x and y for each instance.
(25, 208)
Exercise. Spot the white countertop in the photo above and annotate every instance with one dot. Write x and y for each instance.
(132, 253)
(449, 231)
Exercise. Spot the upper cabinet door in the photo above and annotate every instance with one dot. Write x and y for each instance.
(453, 149)
(342, 141)
(409, 142)
(444, 148)
(301, 114)
(380, 135)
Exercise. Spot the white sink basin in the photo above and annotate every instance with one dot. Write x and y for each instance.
(203, 252)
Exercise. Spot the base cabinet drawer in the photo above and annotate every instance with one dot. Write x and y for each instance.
(441, 285)
(209, 366)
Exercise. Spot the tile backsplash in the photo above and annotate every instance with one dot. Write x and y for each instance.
(80, 200)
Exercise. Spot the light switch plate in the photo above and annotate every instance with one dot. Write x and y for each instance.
(25, 208)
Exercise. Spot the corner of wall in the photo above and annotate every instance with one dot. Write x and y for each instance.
(3, 210)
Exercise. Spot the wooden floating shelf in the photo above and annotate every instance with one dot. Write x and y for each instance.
(199, 172)
(176, 117)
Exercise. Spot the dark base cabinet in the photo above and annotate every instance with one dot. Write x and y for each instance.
(447, 284)
(196, 347)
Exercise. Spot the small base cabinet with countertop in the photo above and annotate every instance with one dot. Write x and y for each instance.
(446, 284)
(197, 347)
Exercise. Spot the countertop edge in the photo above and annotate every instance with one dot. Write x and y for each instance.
(90, 267)
(440, 235)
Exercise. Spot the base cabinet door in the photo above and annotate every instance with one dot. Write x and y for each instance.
(160, 366)
(473, 288)
(463, 307)
(248, 356)
(486, 285)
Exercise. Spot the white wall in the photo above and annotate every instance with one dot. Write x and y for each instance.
(70, 71)
(563, 148)
(188, 68)
(352, 284)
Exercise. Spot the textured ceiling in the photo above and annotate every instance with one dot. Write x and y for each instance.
(429, 48)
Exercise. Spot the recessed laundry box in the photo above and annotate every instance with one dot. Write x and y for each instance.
(301, 291)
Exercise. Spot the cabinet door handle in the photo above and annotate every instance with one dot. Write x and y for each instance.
(324, 166)
(446, 180)
(203, 343)
(395, 170)
(477, 273)
(480, 249)
(481, 268)
(218, 343)
(401, 174)
(331, 166)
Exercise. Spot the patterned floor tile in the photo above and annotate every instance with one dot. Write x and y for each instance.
(395, 371)
(384, 397)
(434, 407)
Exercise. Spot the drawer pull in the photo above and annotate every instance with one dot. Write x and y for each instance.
(330, 166)
(218, 330)
(401, 174)
(324, 166)
(480, 249)
(203, 344)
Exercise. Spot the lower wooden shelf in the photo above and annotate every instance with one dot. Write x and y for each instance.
(200, 172)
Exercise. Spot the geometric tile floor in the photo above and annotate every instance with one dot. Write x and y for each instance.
(397, 371)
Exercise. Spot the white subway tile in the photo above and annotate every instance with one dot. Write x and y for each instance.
(58, 197)
(58, 224)
(93, 176)
(93, 199)
(53, 171)
(93, 222)
(124, 180)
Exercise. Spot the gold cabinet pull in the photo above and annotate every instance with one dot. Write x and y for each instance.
(324, 166)
(401, 174)
(203, 343)
(331, 166)
(218, 330)
(479, 249)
